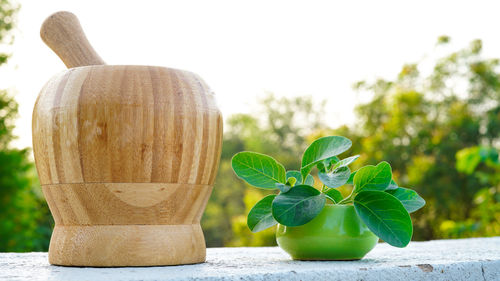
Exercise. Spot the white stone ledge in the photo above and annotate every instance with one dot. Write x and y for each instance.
(463, 259)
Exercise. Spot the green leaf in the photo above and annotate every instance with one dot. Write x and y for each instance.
(334, 194)
(294, 174)
(409, 198)
(392, 185)
(345, 162)
(327, 164)
(298, 177)
(283, 187)
(322, 149)
(298, 206)
(336, 178)
(385, 216)
(469, 158)
(351, 178)
(291, 181)
(260, 216)
(373, 177)
(309, 180)
(258, 169)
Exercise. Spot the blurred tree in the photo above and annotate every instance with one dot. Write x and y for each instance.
(25, 222)
(279, 128)
(483, 163)
(419, 122)
(416, 122)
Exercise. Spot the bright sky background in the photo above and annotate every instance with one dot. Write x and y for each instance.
(244, 48)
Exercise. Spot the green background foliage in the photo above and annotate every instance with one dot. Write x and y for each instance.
(25, 221)
(439, 128)
(420, 123)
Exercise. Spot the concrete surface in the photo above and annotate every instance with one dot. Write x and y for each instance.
(464, 259)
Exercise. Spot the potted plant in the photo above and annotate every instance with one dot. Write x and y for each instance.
(322, 224)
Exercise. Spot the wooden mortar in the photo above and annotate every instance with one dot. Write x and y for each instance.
(126, 155)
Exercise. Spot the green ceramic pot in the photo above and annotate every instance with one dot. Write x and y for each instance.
(337, 233)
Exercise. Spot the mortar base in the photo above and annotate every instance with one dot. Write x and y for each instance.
(127, 245)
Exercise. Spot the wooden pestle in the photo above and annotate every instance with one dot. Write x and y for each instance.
(63, 33)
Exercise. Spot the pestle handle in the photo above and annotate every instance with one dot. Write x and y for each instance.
(63, 33)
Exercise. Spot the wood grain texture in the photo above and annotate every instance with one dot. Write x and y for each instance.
(126, 124)
(127, 245)
(63, 33)
(126, 203)
(127, 157)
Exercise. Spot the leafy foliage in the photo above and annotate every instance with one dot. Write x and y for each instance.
(417, 121)
(336, 178)
(409, 198)
(297, 205)
(260, 217)
(278, 127)
(258, 169)
(25, 221)
(373, 177)
(483, 163)
(334, 195)
(344, 162)
(385, 216)
(323, 149)
(298, 177)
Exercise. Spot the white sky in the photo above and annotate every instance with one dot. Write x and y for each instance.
(244, 48)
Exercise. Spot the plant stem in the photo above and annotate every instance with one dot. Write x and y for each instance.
(347, 199)
(331, 199)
